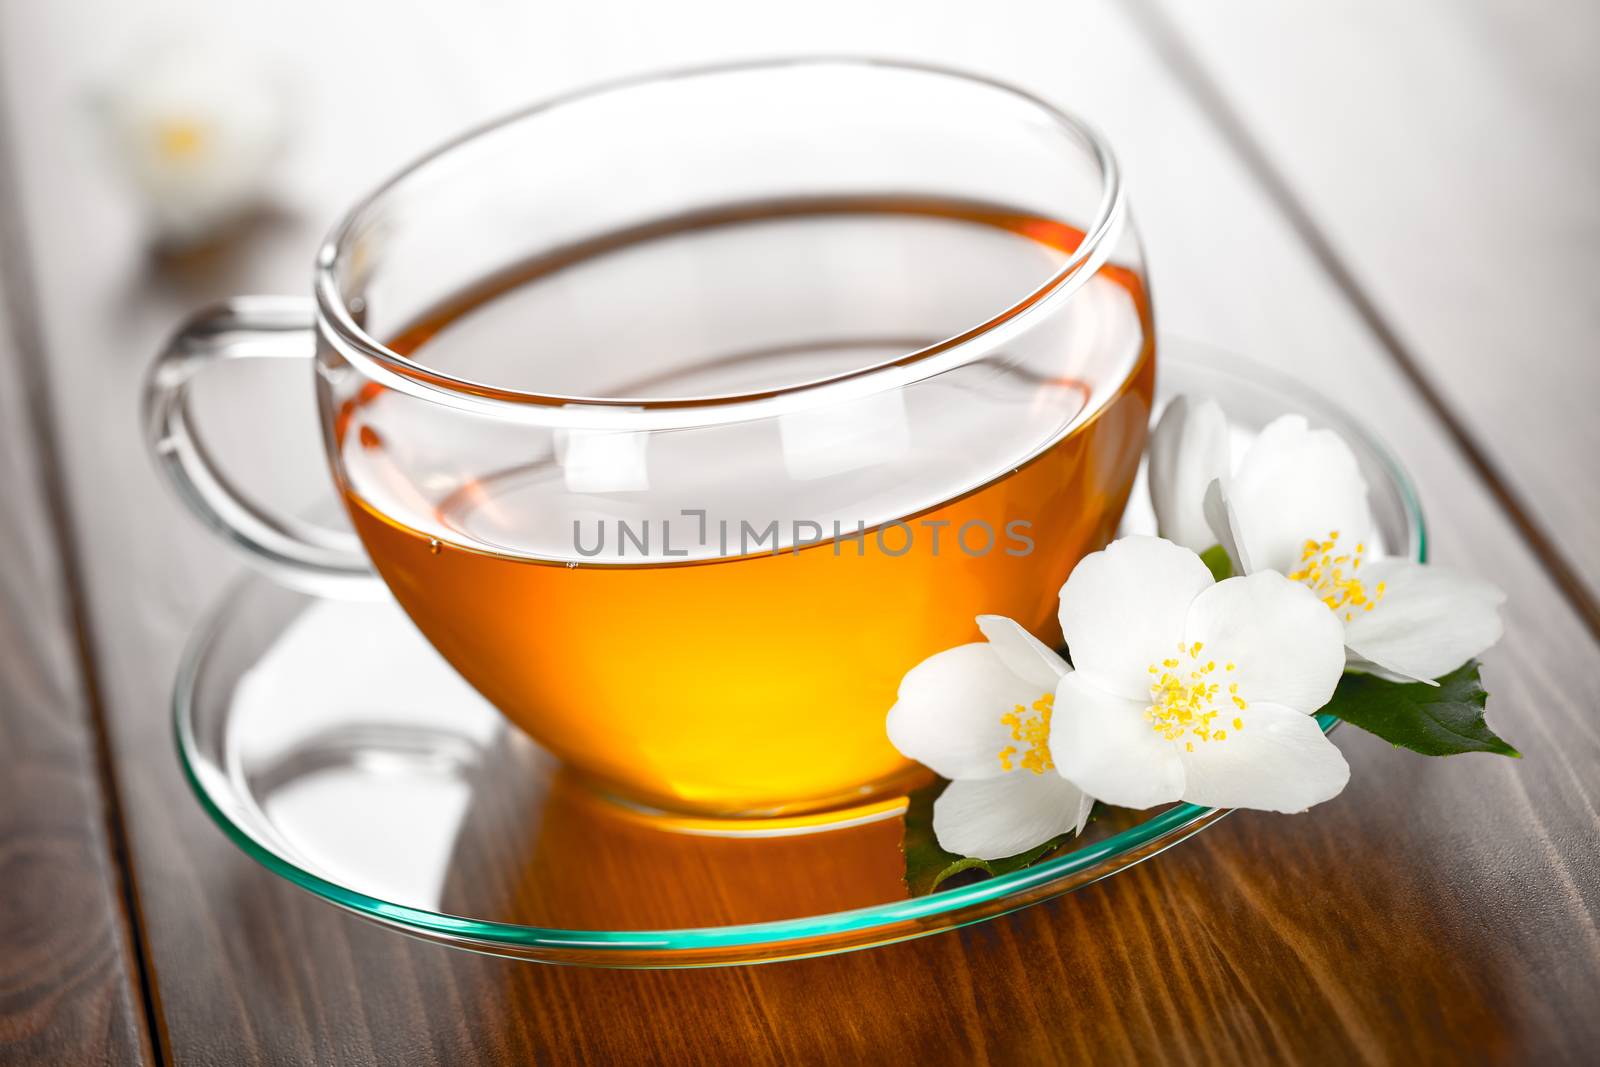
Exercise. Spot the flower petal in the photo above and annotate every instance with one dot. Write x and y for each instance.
(999, 817)
(1288, 648)
(1103, 743)
(1188, 451)
(1280, 761)
(1430, 620)
(948, 714)
(1293, 485)
(1023, 654)
(1224, 523)
(1362, 665)
(1123, 609)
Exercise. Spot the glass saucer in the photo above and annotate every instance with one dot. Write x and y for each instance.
(332, 744)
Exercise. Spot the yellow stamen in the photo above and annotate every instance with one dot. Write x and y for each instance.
(1030, 725)
(180, 139)
(1183, 703)
(1333, 577)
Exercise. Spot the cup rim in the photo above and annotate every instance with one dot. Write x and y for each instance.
(397, 371)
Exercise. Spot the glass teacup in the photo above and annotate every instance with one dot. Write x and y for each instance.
(684, 415)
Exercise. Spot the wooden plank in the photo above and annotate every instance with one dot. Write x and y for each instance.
(1443, 908)
(1448, 157)
(69, 985)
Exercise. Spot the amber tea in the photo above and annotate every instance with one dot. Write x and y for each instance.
(698, 644)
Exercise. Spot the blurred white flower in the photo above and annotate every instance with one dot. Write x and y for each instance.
(979, 715)
(196, 131)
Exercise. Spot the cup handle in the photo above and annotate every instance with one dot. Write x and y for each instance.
(297, 553)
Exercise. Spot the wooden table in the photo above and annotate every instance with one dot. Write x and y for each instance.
(1394, 202)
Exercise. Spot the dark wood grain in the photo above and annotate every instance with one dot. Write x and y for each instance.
(1439, 910)
(69, 988)
(1351, 936)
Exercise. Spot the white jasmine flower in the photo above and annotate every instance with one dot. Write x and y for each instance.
(1297, 504)
(1189, 689)
(196, 132)
(980, 715)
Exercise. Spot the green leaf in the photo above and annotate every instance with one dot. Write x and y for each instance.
(928, 865)
(1216, 560)
(1435, 720)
